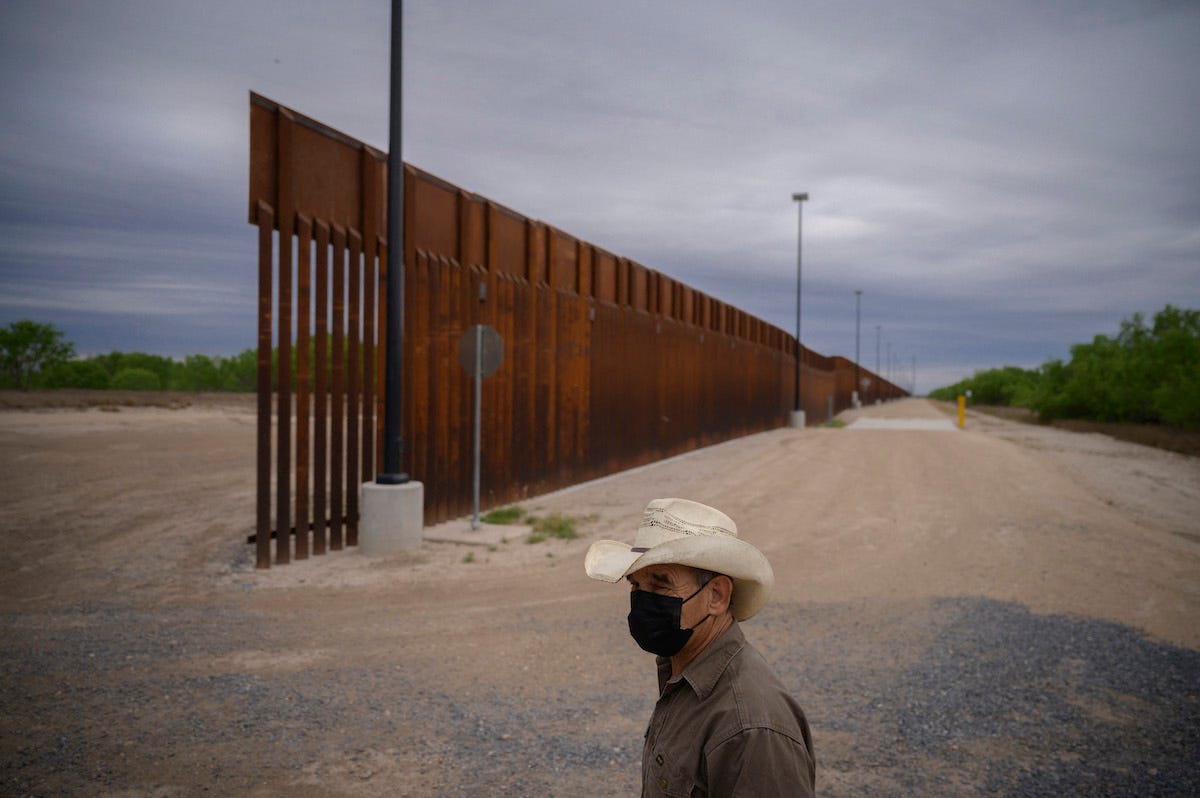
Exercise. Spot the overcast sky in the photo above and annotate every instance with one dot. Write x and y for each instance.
(1000, 179)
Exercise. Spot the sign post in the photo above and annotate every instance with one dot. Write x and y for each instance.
(480, 353)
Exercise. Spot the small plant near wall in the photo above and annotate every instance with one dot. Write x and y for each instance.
(555, 525)
(504, 515)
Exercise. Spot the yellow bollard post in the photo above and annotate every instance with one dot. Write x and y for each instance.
(962, 410)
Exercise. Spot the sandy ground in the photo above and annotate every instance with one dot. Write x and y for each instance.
(1009, 610)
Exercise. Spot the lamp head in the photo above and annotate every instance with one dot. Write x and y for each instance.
(800, 197)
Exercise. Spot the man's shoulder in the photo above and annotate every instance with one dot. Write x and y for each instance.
(759, 697)
(750, 673)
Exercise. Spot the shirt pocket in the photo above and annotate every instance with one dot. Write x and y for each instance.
(679, 785)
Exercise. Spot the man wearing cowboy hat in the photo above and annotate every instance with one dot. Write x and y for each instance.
(724, 724)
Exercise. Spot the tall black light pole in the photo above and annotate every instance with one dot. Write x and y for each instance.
(878, 376)
(888, 365)
(393, 437)
(799, 199)
(857, 325)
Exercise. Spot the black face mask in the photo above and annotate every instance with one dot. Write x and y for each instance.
(654, 622)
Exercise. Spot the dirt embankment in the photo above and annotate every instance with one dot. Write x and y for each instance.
(1160, 436)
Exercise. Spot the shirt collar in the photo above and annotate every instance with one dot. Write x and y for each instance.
(704, 672)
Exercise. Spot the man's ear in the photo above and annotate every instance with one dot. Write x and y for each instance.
(720, 595)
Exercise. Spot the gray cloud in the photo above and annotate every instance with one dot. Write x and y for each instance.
(1001, 181)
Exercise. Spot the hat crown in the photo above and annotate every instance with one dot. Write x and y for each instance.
(670, 519)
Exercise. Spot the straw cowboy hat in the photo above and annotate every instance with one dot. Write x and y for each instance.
(685, 532)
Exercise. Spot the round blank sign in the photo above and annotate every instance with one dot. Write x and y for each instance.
(493, 349)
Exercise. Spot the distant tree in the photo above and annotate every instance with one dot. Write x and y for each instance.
(1177, 395)
(196, 373)
(1010, 385)
(240, 372)
(162, 367)
(74, 374)
(28, 347)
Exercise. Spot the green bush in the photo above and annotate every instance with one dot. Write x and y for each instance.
(33, 354)
(1004, 386)
(75, 374)
(240, 372)
(116, 362)
(1147, 373)
(196, 373)
(135, 379)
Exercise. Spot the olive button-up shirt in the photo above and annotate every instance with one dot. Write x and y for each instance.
(726, 727)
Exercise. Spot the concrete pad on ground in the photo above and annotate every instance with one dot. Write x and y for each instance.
(459, 530)
(929, 424)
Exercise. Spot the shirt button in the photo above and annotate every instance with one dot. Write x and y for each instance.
(659, 759)
(663, 784)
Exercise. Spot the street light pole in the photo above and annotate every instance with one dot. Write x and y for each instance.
(878, 376)
(393, 436)
(888, 364)
(857, 325)
(799, 199)
(392, 509)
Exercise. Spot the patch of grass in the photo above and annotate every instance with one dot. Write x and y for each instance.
(504, 515)
(470, 557)
(836, 423)
(554, 526)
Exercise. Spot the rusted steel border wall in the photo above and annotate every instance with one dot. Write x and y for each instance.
(608, 364)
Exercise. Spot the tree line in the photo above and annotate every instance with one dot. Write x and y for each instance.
(1148, 373)
(34, 355)
(37, 355)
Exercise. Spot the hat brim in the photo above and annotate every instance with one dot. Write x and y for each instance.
(612, 560)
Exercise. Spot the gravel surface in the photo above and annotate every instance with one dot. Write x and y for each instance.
(998, 701)
(1005, 702)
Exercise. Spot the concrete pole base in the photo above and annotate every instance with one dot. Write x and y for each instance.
(796, 419)
(392, 518)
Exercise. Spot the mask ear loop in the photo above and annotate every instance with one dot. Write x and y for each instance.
(689, 598)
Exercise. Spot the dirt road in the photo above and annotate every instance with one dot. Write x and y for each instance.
(1005, 610)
